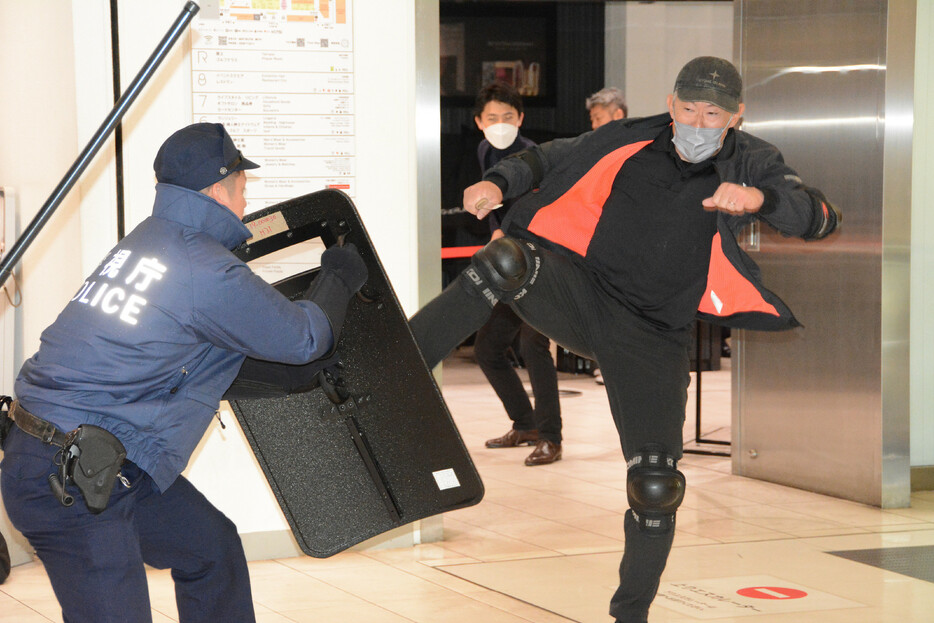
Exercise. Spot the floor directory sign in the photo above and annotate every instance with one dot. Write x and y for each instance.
(279, 75)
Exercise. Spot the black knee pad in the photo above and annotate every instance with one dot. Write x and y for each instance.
(507, 267)
(655, 489)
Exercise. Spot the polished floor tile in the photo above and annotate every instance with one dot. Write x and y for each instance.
(544, 544)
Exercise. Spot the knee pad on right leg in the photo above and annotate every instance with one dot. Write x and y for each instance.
(655, 489)
(506, 267)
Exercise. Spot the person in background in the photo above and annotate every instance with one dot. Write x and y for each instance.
(127, 379)
(498, 114)
(606, 105)
(619, 239)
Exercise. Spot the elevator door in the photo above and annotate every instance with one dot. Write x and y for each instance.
(809, 403)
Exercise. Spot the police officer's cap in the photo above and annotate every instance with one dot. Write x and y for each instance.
(199, 155)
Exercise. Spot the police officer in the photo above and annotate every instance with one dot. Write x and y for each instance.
(137, 363)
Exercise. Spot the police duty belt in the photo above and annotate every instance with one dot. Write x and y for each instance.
(90, 458)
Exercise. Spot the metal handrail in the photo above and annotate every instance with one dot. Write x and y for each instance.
(84, 158)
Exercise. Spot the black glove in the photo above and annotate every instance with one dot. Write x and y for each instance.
(346, 263)
(342, 274)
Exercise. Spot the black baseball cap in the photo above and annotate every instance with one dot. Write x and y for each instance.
(710, 79)
(199, 155)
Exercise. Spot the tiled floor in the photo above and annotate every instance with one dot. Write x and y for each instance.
(544, 544)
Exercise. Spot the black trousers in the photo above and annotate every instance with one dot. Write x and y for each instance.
(96, 563)
(491, 350)
(645, 369)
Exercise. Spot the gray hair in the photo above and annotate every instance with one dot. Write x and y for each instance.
(610, 97)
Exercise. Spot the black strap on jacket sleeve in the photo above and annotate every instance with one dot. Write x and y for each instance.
(530, 158)
(826, 216)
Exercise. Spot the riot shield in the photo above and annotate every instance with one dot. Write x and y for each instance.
(372, 447)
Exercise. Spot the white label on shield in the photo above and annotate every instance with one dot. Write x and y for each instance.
(446, 479)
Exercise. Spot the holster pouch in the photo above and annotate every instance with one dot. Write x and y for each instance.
(6, 422)
(91, 459)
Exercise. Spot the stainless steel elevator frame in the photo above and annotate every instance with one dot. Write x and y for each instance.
(826, 407)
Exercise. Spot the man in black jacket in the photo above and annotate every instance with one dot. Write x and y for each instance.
(618, 239)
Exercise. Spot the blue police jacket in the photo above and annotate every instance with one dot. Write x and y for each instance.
(157, 333)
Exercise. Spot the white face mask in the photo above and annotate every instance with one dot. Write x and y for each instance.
(501, 135)
(698, 144)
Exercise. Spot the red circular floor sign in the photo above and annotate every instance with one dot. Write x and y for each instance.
(771, 592)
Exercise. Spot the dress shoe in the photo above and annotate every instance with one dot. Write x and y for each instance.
(545, 452)
(514, 438)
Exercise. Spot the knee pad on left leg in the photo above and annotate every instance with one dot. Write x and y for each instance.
(655, 489)
(508, 266)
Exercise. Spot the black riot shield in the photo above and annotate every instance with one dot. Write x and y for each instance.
(373, 446)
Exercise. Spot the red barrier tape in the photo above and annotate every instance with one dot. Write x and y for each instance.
(448, 253)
